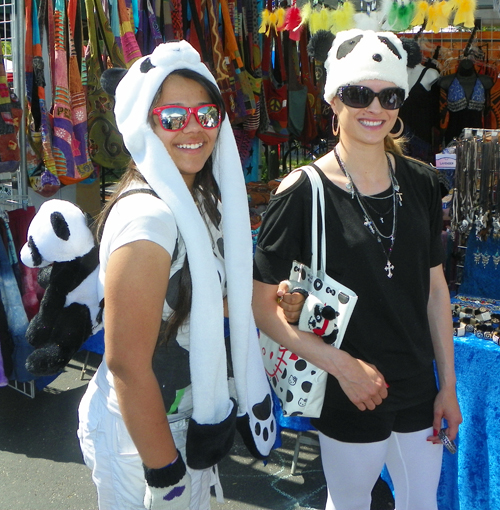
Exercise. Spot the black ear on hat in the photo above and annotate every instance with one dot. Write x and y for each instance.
(319, 45)
(110, 79)
(413, 50)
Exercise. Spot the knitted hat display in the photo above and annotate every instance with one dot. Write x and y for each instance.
(213, 418)
(358, 55)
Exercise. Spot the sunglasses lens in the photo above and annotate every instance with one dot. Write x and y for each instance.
(173, 118)
(357, 97)
(392, 98)
(208, 116)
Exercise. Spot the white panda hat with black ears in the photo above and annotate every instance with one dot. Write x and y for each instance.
(211, 403)
(357, 55)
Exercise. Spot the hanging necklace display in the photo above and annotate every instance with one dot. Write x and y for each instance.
(483, 185)
(397, 196)
(495, 222)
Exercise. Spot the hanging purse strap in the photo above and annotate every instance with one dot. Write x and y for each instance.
(109, 39)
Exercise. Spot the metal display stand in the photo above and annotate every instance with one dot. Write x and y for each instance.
(14, 187)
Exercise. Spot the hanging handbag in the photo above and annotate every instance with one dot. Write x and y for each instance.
(275, 93)
(130, 48)
(313, 105)
(10, 119)
(105, 141)
(298, 384)
(41, 167)
(297, 91)
(70, 144)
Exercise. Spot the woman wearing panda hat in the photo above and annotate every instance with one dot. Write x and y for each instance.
(383, 217)
(162, 409)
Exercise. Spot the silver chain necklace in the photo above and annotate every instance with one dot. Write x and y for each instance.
(397, 196)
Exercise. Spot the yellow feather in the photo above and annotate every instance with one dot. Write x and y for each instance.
(280, 15)
(465, 13)
(345, 21)
(305, 12)
(431, 19)
(442, 15)
(421, 10)
(265, 21)
(314, 21)
(334, 20)
(448, 6)
(324, 19)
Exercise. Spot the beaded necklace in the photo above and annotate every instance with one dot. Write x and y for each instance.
(397, 196)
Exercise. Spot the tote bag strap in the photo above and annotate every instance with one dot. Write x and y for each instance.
(318, 195)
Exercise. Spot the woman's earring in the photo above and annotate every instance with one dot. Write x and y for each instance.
(335, 130)
(400, 131)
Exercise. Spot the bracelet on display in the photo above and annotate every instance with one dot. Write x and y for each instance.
(484, 331)
(496, 337)
(469, 324)
(447, 442)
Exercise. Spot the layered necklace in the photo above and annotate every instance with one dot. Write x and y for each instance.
(397, 197)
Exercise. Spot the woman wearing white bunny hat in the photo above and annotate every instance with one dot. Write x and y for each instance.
(383, 226)
(175, 255)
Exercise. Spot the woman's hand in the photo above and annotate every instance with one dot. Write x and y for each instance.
(363, 384)
(291, 303)
(446, 407)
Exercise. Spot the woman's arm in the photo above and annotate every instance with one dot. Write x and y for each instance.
(134, 292)
(441, 326)
(363, 383)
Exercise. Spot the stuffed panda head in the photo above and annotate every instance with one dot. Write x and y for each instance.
(58, 233)
(358, 55)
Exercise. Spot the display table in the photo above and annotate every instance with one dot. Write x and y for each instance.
(470, 479)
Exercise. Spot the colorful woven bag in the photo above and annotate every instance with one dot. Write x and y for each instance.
(105, 141)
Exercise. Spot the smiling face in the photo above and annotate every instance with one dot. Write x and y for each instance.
(191, 146)
(368, 125)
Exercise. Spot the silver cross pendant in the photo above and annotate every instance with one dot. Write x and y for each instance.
(389, 267)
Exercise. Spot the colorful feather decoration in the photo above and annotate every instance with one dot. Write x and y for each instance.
(442, 15)
(421, 11)
(345, 16)
(404, 16)
(465, 13)
(319, 20)
(280, 18)
(264, 24)
(293, 22)
(431, 19)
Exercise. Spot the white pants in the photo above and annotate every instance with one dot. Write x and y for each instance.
(116, 466)
(352, 469)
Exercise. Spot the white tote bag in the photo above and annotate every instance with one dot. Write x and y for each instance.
(299, 385)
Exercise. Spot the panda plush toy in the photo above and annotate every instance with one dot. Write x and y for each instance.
(61, 244)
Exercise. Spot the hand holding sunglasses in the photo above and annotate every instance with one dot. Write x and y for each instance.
(358, 96)
(175, 118)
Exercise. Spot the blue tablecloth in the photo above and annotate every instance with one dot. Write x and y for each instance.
(470, 479)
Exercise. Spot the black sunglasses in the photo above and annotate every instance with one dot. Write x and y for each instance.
(357, 96)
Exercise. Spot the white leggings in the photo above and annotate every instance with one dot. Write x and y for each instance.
(351, 470)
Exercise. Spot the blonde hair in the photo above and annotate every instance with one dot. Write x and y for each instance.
(394, 145)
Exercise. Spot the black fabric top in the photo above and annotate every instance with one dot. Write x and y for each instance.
(389, 326)
(420, 111)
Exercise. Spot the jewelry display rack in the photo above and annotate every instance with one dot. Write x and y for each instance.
(475, 198)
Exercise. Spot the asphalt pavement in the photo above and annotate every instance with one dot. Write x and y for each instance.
(41, 466)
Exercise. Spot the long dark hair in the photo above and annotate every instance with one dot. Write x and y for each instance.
(205, 186)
